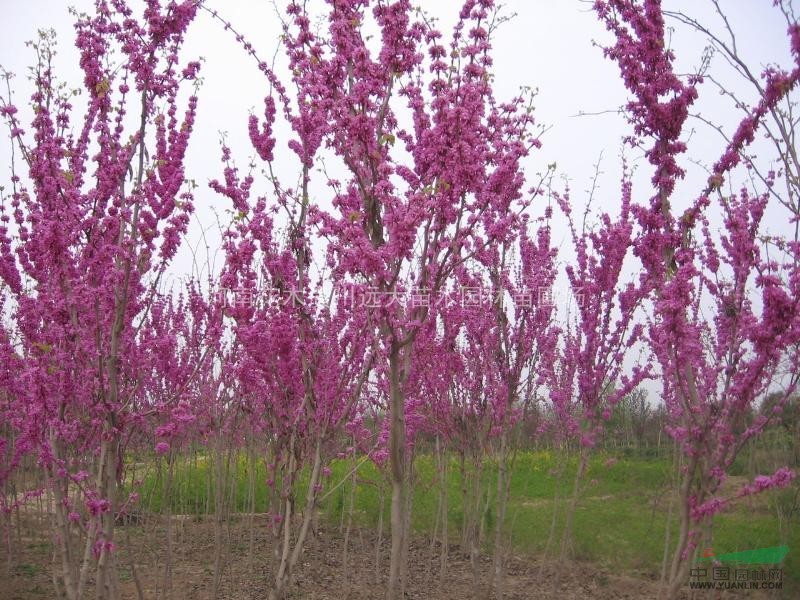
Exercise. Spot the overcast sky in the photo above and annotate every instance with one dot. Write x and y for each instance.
(548, 45)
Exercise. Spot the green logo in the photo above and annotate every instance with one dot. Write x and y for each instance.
(761, 556)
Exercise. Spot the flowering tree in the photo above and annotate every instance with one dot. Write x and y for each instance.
(184, 397)
(15, 437)
(405, 219)
(96, 218)
(387, 285)
(714, 369)
(592, 378)
(306, 350)
(303, 363)
(497, 336)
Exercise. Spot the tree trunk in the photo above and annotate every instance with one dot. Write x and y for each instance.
(219, 516)
(107, 588)
(64, 549)
(566, 539)
(290, 555)
(379, 541)
(397, 461)
(167, 587)
(680, 563)
(496, 581)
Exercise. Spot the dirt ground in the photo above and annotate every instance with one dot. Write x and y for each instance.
(322, 575)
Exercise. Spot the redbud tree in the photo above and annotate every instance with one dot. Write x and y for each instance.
(601, 333)
(95, 211)
(496, 340)
(725, 310)
(419, 196)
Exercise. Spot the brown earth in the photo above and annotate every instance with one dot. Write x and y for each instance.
(322, 575)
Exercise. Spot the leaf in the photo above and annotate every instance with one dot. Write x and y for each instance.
(102, 88)
(43, 346)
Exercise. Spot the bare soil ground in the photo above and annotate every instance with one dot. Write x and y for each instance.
(323, 574)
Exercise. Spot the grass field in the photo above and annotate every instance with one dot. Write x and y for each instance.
(620, 520)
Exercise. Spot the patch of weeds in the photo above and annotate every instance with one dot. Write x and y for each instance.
(39, 545)
(28, 570)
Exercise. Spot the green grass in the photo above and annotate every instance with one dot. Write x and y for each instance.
(620, 521)
(192, 486)
(29, 570)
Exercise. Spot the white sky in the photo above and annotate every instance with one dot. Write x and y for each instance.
(547, 46)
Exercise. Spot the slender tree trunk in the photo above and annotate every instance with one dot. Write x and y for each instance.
(251, 503)
(7, 526)
(379, 541)
(475, 527)
(345, 551)
(674, 493)
(9, 500)
(168, 528)
(407, 523)
(442, 525)
(219, 516)
(438, 515)
(445, 549)
(465, 504)
(397, 461)
(680, 563)
(290, 555)
(496, 581)
(107, 587)
(64, 548)
(566, 538)
(551, 536)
